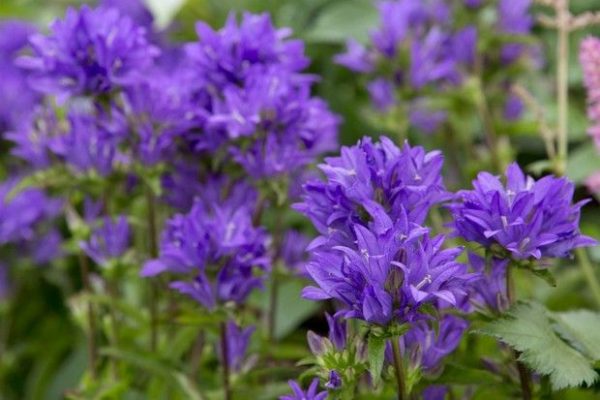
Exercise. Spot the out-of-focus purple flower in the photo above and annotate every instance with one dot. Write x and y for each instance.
(490, 292)
(22, 212)
(513, 108)
(435, 392)
(216, 239)
(405, 182)
(382, 93)
(293, 251)
(90, 51)
(426, 347)
(432, 60)
(593, 183)
(356, 58)
(228, 55)
(16, 98)
(238, 340)
(109, 241)
(335, 381)
(425, 119)
(464, 44)
(46, 247)
(299, 394)
(181, 186)
(473, 3)
(514, 18)
(524, 218)
(134, 9)
(589, 56)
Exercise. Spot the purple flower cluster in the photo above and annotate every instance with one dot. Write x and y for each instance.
(90, 51)
(109, 241)
(251, 99)
(373, 255)
(413, 48)
(311, 393)
(218, 244)
(522, 219)
(238, 340)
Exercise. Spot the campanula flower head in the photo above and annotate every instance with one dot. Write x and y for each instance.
(514, 18)
(426, 347)
(89, 52)
(251, 98)
(522, 218)
(16, 97)
(312, 393)
(218, 245)
(391, 271)
(589, 55)
(370, 177)
(109, 241)
(490, 292)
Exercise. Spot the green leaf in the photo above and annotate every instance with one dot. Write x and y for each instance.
(376, 354)
(581, 328)
(342, 20)
(527, 328)
(291, 308)
(582, 162)
(546, 275)
(459, 375)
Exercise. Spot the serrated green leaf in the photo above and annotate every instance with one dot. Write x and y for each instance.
(581, 328)
(376, 355)
(528, 329)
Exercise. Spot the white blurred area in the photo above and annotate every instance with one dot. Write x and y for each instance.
(164, 10)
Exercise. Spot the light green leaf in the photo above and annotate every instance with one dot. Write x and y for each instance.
(376, 353)
(343, 20)
(528, 329)
(582, 162)
(292, 309)
(581, 328)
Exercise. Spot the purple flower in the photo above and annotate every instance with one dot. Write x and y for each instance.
(367, 177)
(181, 185)
(216, 239)
(473, 3)
(310, 394)
(513, 108)
(337, 331)
(238, 340)
(490, 292)
(426, 119)
(435, 392)
(356, 58)
(389, 274)
(293, 251)
(89, 52)
(382, 94)
(134, 9)
(514, 19)
(335, 381)
(16, 98)
(109, 241)
(432, 60)
(524, 218)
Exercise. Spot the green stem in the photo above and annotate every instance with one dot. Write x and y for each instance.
(399, 370)
(91, 317)
(153, 244)
(524, 374)
(562, 82)
(228, 395)
(272, 306)
(588, 271)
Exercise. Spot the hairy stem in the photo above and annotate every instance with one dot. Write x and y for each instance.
(225, 362)
(92, 348)
(399, 370)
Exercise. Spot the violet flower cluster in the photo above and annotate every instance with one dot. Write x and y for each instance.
(373, 256)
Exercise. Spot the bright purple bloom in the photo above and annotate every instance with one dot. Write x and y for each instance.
(405, 182)
(109, 241)
(89, 52)
(299, 394)
(589, 56)
(524, 218)
(238, 340)
(134, 9)
(218, 239)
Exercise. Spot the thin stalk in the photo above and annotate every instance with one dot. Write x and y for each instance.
(491, 138)
(588, 271)
(524, 374)
(152, 234)
(92, 348)
(562, 81)
(113, 292)
(273, 295)
(399, 370)
(225, 362)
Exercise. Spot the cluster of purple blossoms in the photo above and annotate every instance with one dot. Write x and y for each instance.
(373, 256)
(238, 340)
(109, 241)
(16, 97)
(219, 245)
(423, 50)
(89, 52)
(523, 219)
(251, 99)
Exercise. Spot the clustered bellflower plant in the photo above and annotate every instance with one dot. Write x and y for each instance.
(184, 213)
